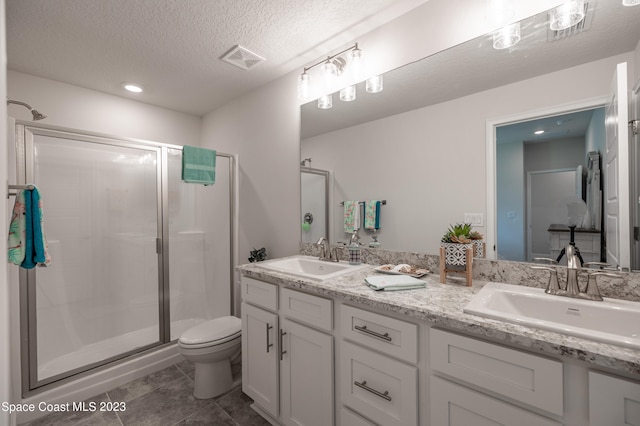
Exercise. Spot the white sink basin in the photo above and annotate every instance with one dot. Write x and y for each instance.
(611, 321)
(310, 267)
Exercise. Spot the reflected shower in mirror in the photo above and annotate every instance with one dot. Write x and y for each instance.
(422, 143)
(314, 185)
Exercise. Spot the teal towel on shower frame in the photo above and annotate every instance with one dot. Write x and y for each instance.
(198, 165)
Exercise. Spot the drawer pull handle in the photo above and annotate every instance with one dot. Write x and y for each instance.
(364, 329)
(268, 344)
(282, 351)
(364, 386)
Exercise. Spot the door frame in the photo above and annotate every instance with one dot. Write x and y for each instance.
(490, 151)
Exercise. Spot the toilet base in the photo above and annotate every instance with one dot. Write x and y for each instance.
(212, 379)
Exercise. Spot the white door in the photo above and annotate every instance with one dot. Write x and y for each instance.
(260, 357)
(616, 172)
(306, 375)
(548, 193)
(635, 198)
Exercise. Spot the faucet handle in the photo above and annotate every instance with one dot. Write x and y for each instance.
(545, 259)
(553, 286)
(592, 291)
(600, 265)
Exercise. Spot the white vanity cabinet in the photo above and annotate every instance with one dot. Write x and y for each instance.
(509, 373)
(613, 401)
(287, 365)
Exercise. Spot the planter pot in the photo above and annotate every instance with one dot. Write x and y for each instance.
(478, 248)
(455, 255)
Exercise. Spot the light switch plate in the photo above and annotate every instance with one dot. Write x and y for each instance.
(475, 219)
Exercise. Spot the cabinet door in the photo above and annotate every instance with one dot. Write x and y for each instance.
(455, 405)
(613, 401)
(306, 386)
(260, 357)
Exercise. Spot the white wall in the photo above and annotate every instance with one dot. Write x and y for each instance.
(510, 203)
(595, 136)
(263, 128)
(83, 109)
(435, 170)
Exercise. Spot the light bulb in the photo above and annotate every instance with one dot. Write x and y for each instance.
(356, 62)
(374, 84)
(630, 2)
(135, 88)
(507, 36)
(567, 15)
(348, 94)
(303, 86)
(325, 102)
(330, 70)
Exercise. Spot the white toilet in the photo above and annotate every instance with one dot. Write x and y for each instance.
(210, 346)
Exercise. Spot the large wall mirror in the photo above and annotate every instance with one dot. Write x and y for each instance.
(422, 143)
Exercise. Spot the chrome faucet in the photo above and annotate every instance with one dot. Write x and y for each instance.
(326, 252)
(574, 264)
(572, 288)
(323, 243)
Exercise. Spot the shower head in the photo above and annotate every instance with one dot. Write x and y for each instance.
(36, 115)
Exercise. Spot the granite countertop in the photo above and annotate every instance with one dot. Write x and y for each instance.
(442, 305)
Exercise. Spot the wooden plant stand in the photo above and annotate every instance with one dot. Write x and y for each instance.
(468, 271)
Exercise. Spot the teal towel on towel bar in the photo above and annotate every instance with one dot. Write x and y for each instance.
(198, 165)
(29, 247)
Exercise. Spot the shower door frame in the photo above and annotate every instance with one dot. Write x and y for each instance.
(24, 134)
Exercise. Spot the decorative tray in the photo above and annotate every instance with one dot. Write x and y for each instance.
(402, 269)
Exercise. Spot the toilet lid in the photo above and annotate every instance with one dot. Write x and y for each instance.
(216, 331)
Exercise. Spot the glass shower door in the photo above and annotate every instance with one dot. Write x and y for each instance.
(98, 300)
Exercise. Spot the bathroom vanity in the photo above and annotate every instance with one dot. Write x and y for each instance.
(324, 352)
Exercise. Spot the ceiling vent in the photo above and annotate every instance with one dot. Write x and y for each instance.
(242, 58)
(584, 25)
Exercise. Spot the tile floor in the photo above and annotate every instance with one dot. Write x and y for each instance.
(164, 398)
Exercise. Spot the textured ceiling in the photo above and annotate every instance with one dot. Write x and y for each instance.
(173, 47)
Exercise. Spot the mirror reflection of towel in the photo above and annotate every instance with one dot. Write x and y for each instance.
(372, 214)
(351, 216)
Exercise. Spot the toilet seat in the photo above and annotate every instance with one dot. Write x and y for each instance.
(212, 333)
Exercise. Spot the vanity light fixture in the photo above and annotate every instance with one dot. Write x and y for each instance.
(374, 84)
(566, 15)
(333, 66)
(325, 102)
(630, 2)
(348, 94)
(134, 88)
(507, 36)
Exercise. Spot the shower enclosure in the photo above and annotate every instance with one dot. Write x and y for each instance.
(138, 256)
(315, 194)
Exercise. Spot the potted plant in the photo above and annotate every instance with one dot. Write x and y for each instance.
(478, 243)
(456, 242)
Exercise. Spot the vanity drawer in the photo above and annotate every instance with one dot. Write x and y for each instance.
(259, 293)
(349, 418)
(388, 335)
(312, 310)
(524, 377)
(455, 405)
(378, 387)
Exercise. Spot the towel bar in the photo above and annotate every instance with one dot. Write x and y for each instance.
(17, 187)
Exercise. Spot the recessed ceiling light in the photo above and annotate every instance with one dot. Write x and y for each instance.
(538, 132)
(135, 88)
